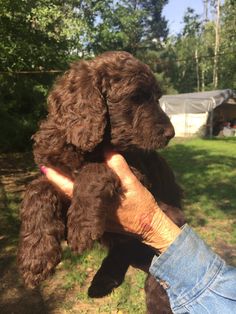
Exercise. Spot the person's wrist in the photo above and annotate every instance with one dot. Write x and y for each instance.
(162, 232)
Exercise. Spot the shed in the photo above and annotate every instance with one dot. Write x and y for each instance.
(203, 113)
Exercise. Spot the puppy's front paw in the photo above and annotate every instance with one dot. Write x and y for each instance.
(102, 286)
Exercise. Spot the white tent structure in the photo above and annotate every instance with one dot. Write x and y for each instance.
(194, 113)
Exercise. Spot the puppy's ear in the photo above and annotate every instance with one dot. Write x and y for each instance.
(78, 107)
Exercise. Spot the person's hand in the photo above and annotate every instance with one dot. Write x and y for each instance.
(64, 183)
(138, 214)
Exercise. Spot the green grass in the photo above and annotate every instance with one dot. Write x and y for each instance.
(79, 266)
(206, 169)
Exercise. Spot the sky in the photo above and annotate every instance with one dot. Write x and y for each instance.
(174, 12)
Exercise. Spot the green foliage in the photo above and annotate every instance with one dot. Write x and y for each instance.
(194, 50)
(228, 45)
(186, 46)
(32, 37)
(23, 104)
(129, 25)
(25, 43)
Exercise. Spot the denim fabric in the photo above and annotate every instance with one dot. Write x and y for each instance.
(196, 279)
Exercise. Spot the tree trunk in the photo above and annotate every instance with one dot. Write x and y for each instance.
(203, 80)
(205, 2)
(217, 45)
(197, 69)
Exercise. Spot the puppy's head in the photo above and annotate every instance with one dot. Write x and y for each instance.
(132, 97)
(114, 94)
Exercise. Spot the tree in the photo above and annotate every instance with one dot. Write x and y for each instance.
(34, 35)
(129, 25)
(217, 44)
(187, 46)
(207, 54)
(227, 61)
(119, 27)
(155, 25)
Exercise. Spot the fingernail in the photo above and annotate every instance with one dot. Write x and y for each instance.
(43, 169)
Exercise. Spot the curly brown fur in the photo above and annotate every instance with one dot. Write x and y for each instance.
(152, 289)
(93, 197)
(110, 102)
(39, 237)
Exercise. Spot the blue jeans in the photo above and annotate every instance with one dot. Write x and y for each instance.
(195, 278)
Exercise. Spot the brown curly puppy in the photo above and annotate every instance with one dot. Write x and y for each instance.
(110, 102)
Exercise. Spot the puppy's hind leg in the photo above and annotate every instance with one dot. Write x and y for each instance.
(42, 230)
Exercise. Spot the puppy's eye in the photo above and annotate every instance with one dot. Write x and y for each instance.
(136, 98)
(139, 98)
(116, 80)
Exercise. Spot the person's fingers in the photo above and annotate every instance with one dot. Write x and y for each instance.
(64, 183)
(119, 165)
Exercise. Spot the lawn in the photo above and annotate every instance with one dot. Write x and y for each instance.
(206, 171)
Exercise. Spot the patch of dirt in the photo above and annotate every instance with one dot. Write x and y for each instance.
(16, 170)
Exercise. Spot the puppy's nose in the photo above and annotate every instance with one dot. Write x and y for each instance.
(169, 132)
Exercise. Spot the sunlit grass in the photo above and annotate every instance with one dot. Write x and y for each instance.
(206, 169)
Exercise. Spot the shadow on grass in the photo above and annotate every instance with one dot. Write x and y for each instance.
(208, 179)
(223, 139)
